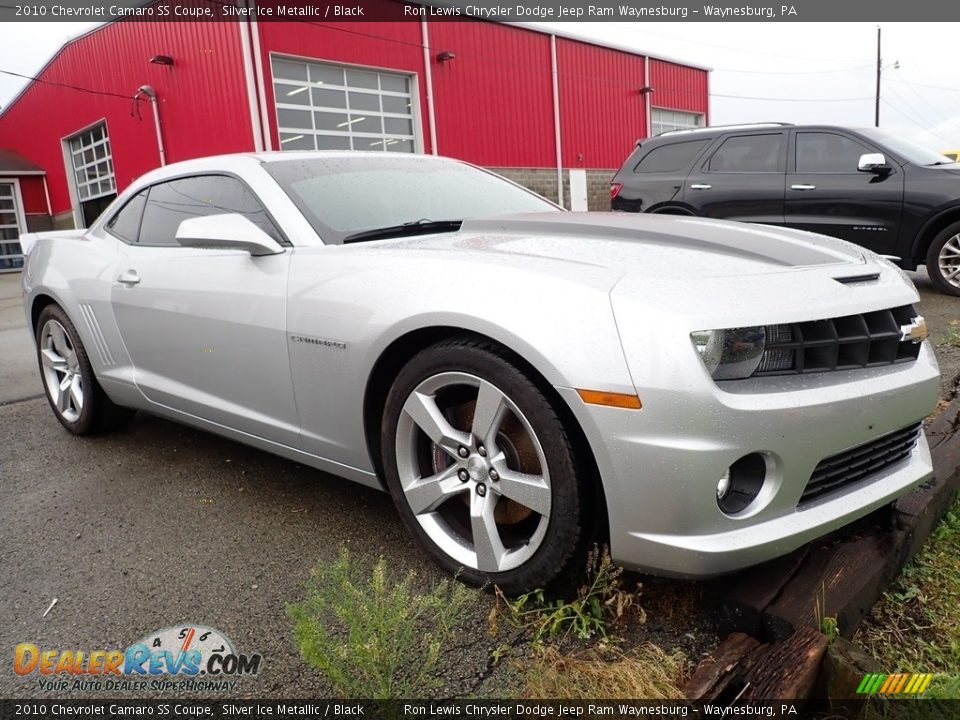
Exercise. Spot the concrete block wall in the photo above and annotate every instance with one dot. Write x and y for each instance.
(543, 181)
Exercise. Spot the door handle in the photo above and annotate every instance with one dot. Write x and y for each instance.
(129, 278)
(803, 187)
(700, 186)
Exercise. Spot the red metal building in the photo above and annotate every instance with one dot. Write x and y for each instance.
(538, 106)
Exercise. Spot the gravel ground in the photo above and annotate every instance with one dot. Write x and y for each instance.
(164, 525)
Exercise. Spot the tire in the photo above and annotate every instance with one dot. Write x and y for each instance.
(943, 260)
(72, 390)
(525, 452)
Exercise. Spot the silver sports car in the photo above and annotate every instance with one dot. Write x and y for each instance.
(524, 381)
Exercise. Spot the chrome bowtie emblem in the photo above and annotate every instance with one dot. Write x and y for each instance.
(914, 331)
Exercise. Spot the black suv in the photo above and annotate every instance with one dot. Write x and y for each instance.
(863, 185)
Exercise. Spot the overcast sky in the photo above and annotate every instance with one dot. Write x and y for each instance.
(811, 72)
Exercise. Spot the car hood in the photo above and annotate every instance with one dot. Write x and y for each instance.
(650, 245)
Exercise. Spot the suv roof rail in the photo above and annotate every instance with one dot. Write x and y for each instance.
(743, 126)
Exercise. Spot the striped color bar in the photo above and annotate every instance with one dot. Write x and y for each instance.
(896, 684)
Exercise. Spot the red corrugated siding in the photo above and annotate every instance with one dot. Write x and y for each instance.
(203, 101)
(390, 45)
(494, 101)
(602, 112)
(679, 87)
(34, 198)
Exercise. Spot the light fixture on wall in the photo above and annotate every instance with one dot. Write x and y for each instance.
(647, 89)
(445, 55)
(162, 60)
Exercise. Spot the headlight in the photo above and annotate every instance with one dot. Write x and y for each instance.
(730, 354)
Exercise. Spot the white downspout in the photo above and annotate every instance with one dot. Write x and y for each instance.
(250, 80)
(152, 94)
(556, 118)
(428, 79)
(646, 96)
(261, 87)
(46, 192)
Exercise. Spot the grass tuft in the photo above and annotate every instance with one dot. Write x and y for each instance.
(916, 626)
(373, 635)
(645, 672)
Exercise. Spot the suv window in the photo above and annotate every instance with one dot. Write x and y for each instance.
(125, 223)
(821, 152)
(669, 158)
(172, 202)
(748, 153)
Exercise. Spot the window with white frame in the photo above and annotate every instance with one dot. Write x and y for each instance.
(92, 163)
(667, 120)
(321, 106)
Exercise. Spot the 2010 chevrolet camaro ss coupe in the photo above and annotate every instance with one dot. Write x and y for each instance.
(524, 381)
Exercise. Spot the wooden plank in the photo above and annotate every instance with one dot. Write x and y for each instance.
(715, 673)
(842, 581)
(786, 669)
(844, 666)
(752, 591)
(944, 425)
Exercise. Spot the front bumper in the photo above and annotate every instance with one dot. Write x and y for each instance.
(660, 465)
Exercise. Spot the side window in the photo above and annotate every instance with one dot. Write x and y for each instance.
(670, 158)
(170, 203)
(748, 153)
(125, 223)
(820, 152)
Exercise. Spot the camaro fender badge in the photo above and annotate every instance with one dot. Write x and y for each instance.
(319, 341)
(915, 330)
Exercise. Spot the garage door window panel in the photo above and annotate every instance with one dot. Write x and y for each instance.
(352, 109)
(664, 120)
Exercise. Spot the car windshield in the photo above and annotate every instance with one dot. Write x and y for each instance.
(343, 196)
(907, 149)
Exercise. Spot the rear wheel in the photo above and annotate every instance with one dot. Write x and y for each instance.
(76, 397)
(481, 468)
(943, 260)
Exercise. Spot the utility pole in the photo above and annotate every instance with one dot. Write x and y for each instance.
(877, 109)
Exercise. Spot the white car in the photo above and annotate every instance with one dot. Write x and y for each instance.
(524, 381)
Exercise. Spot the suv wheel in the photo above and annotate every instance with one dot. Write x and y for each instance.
(943, 260)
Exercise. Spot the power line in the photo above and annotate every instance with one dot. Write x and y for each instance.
(926, 85)
(78, 88)
(793, 72)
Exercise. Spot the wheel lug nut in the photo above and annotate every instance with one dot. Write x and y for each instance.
(482, 450)
(463, 452)
(481, 489)
(494, 475)
(463, 475)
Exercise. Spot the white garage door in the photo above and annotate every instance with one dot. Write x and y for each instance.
(321, 106)
(11, 219)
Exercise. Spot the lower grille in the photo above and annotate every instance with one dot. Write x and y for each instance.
(861, 462)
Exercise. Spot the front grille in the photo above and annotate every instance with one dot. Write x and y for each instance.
(872, 339)
(861, 462)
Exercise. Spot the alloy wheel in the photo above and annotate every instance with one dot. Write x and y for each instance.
(473, 472)
(949, 260)
(61, 370)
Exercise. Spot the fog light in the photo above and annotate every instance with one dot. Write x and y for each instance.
(741, 483)
(723, 487)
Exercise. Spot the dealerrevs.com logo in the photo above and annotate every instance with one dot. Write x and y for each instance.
(183, 658)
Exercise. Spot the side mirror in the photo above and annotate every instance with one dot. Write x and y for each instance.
(226, 232)
(873, 163)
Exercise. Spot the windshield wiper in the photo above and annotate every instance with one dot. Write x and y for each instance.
(414, 227)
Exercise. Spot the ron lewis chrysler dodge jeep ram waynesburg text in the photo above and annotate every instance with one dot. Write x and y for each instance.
(704, 395)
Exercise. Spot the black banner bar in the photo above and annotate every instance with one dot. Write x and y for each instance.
(499, 10)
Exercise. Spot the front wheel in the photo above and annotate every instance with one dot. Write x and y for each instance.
(481, 468)
(943, 260)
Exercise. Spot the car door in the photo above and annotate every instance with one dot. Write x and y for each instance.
(827, 194)
(741, 178)
(206, 328)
